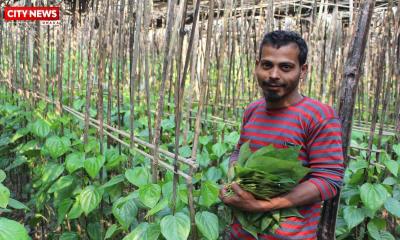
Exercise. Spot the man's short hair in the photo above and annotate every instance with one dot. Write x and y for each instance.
(281, 38)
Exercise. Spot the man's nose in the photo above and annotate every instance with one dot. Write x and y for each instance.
(274, 73)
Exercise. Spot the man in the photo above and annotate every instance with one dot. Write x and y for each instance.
(283, 118)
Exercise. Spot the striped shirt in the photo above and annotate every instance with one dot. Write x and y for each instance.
(316, 128)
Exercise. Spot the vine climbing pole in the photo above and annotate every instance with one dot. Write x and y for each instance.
(350, 81)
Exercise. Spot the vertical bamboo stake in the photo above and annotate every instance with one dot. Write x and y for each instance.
(36, 56)
(120, 55)
(379, 77)
(201, 97)
(322, 69)
(326, 231)
(88, 82)
(110, 54)
(103, 40)
(134, 60)
(193, 64)
(193, 37)
(221, 55)
(160, 104)
(178, 99)
(146, 23)
(60, 79)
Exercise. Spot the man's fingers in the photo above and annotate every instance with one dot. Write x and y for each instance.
(222, 193)
(238, 191)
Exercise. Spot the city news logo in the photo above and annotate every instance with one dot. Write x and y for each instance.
(46, 15)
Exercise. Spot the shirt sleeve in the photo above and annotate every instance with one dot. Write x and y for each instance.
(235, 154)
(325, 154)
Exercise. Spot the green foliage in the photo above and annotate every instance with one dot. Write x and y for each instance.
(175, 227)
(90, 198)
(149, 194)
(125, 211)
(144, 231)
(207, 223)
(70, 180)
(10, 229)
(138, 176)
(266, 173)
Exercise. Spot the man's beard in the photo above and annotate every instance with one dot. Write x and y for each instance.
(272, 97)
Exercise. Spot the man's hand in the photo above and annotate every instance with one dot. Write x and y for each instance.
(244, 200)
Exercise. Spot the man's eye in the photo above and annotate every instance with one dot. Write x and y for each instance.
(286, 67)
(266, 65)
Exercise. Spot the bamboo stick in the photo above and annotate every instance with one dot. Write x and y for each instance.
(346, 108)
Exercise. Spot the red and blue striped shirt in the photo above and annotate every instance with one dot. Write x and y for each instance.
(316, 128)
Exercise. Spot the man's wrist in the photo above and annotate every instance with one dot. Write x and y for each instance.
(276, 204)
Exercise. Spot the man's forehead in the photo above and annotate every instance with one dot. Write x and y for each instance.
(287, 53)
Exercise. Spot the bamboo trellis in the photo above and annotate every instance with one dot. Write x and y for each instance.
(131, 60)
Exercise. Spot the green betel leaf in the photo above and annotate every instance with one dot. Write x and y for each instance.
(290, 212)
(390, 181)
(50, 173)
(93, 165)
(10, 229)
(2, 176)
(208, 193)
(40, 128)
(4, 196)
(57, 146)
(185, 151)
(61, 183)
(113, 181)
(175, 227)
(74, 161)
(378, 234)
(158, 207)
(138, 176)
(373, 195)
(62, 209)
(392, 166)
(144, 231)
(354, 166)
(17, 204)
(396, 149)
(203, 140)
(149, 194)
(219, 149)
(393, 206)
(213, 174)
(76, 210)
(261, 152)
(110, 231)
(244, 153)
(89, 199)
(94, 230)
(125, 211)
(207, 223)
(353, 216)
(69, 236)
(113, 158)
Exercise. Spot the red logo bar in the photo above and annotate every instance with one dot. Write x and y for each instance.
(32, 13)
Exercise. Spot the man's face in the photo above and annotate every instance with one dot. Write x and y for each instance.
(278, 72)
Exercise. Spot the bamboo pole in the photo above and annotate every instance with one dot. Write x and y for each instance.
(326, 231)
(88, 83)
(134, 77)
(146, 57)
(160, 105)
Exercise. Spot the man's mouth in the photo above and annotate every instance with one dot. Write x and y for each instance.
(273, 86)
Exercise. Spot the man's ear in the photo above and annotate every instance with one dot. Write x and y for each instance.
(303, 71)
(257, 62)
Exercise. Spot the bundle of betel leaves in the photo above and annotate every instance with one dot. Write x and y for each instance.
(266, 173)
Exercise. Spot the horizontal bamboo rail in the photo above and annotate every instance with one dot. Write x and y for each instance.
(94, 123)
